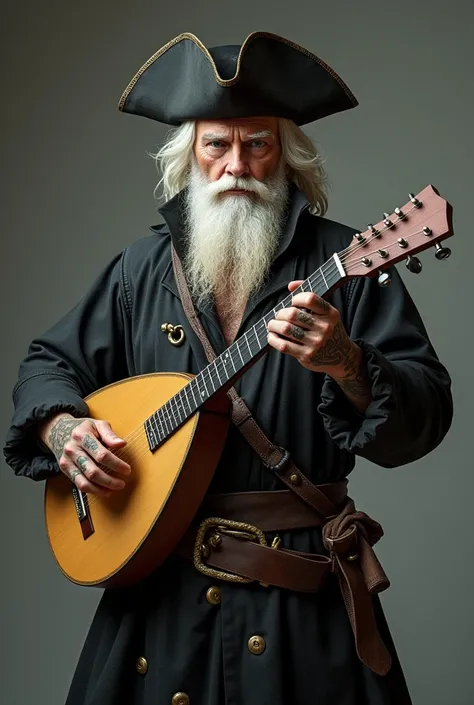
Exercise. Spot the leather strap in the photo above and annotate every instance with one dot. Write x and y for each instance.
(348, 535)
(274, 457)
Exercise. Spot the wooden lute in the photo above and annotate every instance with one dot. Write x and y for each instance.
(176, 424)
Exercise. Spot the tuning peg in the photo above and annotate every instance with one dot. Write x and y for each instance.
(384, 278)
(442, 252)
(415, 201)
(413, 264)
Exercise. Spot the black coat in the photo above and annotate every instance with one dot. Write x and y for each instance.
(190, 645)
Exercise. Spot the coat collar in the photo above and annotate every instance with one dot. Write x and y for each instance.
(283, 266)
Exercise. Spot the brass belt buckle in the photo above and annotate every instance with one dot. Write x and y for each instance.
(204, 543)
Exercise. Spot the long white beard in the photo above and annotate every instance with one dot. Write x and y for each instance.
(231, 240)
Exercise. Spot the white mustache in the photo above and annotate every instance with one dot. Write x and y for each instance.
(229, 183)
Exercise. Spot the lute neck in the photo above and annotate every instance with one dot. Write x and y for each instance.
(233, 362)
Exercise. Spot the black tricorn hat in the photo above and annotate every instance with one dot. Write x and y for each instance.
(267, 75)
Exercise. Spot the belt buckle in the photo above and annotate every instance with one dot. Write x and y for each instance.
(235, 529)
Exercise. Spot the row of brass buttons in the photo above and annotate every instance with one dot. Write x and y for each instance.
(256, 645)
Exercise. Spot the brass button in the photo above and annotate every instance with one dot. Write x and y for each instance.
(295, 479)
(141, 664)
(257, 644)
(180, 699)
(213, 595)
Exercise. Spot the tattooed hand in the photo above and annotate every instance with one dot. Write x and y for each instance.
(311, 331)
(84, 451)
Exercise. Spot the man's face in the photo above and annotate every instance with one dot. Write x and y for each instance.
(241, 147)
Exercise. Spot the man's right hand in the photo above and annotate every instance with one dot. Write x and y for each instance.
(84, 451)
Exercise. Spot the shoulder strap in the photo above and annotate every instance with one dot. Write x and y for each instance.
(274, 457)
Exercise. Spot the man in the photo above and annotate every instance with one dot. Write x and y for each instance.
(353, 375)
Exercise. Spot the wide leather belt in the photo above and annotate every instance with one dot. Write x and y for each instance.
(227, 542)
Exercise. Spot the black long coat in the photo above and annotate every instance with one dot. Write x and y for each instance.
(190, 645)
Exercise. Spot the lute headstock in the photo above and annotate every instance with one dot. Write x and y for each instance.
(422, 222)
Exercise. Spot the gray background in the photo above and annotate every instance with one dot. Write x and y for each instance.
(77, 187)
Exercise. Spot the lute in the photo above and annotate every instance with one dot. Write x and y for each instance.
(176, 424)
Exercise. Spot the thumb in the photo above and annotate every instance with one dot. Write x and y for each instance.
(108, 435)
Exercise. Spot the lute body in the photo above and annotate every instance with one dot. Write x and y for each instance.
(121, 538)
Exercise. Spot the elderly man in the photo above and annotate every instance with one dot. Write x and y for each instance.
(349, 375)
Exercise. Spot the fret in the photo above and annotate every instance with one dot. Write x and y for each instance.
(257, 336)
(170, 407)
(229, 355)
(203, 395)
(238, 350)
(208, 370)
(165, 411)
(322, 273)
(183, 398)
(159, 425)
(191, 385)
(248, 344)
(149, 428)
(217, 371)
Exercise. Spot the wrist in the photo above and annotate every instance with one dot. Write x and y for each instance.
(44, 427)
(350, 366)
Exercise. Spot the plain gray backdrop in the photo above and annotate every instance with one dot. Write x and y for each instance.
(77, 187)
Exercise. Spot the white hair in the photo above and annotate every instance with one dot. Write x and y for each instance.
(300, 156)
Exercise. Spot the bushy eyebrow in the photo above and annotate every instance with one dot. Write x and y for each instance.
(256, 136)
(213, 136)
(260, 135)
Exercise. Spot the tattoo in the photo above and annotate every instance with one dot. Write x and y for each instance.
(340, 349)
(322, 303)
(304, 317)
(73, 474)
(354, 382)
(60, 434)
(81, 463)
(90, 442)
(296, 332)
(334, 350)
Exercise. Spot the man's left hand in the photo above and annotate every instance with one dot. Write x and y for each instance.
(311, 330)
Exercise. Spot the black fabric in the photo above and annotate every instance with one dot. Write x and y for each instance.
(268, 75)
(192, 646)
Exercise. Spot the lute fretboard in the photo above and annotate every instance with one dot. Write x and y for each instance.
(232, 363)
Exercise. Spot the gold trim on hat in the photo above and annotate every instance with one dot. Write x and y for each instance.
(231, 81)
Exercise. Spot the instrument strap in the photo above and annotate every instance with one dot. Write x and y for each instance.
(274, 457)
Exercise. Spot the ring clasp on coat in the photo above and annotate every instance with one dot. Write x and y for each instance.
(175, 333)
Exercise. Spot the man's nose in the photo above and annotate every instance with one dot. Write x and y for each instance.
(237, 165)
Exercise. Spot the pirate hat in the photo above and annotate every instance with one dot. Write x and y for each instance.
(267, 75)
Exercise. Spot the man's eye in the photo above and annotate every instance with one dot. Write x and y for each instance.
(258, 144)
(216, 144)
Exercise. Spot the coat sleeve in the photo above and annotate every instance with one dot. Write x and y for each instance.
(411, 408)
(81, 353)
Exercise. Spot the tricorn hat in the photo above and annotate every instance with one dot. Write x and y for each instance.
(267, 75)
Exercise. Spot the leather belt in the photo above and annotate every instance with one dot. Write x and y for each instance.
(229, 544)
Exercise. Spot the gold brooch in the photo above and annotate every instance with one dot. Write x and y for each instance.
(175, 333)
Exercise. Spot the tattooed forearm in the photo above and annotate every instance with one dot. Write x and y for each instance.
(90, 442)
(355, 383)
(342, 353)
(61, 433)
